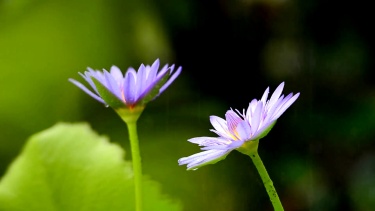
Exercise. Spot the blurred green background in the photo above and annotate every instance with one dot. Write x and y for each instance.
(320, 154)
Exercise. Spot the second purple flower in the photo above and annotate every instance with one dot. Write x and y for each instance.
(134, 88)
(239, 128)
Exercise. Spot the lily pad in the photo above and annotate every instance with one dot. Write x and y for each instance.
(70, 167)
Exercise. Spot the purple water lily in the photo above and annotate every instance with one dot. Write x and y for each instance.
(135, 88)
(238, 128)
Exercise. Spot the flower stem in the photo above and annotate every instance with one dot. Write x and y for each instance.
(130, 117)
(250, 148)
(266, 181)
(137, 165)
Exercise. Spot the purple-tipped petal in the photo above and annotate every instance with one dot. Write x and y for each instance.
(228, 147)
(261, 130)
(232, 120)
(79, 85)
(112, 85)
(156, 80)
(271, 111)
(265, 95)
(286, 106)
(220, 126)
(275, 96)
(129, 86)
(256, 118)
(244, 130)
(203, 158)
(156, 64)
(117, 74)
(235, 144)
(280, 102)
(209, 141)
(89, 80)
(171, 79)
(162, 72)
(153, 84)
(252, 105)
(97, 75)
(151, 75)
(141, 78)
(218, 147)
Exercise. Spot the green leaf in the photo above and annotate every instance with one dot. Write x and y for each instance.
(70, 167)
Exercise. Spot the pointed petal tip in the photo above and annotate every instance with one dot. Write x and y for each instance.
(178, 71)
(171, 68)
(281, 86)
(142, 66)
(156, 63)
(86, 90)
(114, 66)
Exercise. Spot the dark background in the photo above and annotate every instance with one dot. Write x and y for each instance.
(320, 154)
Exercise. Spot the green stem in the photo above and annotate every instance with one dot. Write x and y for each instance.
(137, 165)
(267, 181)
(130, 116)
(250, 148)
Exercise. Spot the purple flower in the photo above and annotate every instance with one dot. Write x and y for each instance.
(238, 128)
(134, 89)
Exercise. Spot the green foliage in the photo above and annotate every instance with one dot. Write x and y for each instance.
(361, 183)
(46, 42)
(70, 167)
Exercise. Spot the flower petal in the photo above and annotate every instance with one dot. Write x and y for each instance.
(285, 106)
(171, 79)
(209, 141)
(117, 74)
(265, 95)
(275, 96)
(203, 158)
(244, 131)
(129, 86)
(252, 105)
(112, 85)
(220, 126)
(151, 74)
(232, 121)
(87, 77)
(140, 79)
(263, 130)
(79, 85)
(256, 117)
